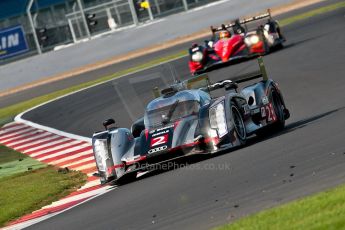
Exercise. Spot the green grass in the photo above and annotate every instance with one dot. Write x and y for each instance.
(8, 155)
(24, 193)
(325, 210)
(12, 162)
(18, 166)
(8, 113)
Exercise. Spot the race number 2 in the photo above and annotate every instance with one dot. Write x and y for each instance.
(155, 141)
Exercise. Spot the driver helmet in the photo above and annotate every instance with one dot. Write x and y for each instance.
(224, 34)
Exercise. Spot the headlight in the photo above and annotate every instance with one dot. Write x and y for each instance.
(197, 56)
(252, 40)
(101, 154)
(217, 119)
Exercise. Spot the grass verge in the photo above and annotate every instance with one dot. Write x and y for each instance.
(9, 112)
(8, 155)
(29, 191)
(324, 210)
(12, 162)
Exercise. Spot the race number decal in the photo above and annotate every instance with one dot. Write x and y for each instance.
(268, 112)
(155, 141)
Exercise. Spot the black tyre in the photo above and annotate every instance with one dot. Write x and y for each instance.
(278, 107)
(279, 111)
(240, 128)
(266, 47)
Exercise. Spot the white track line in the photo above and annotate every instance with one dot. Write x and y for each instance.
(90, 184)
(77, 197)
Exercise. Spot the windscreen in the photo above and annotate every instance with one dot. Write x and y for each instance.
(169, 114)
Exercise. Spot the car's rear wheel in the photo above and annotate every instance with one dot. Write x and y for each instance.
(279, 111)
(278, 108)
(266, 47)
(240, 128)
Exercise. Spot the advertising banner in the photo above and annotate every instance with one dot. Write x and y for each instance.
(12, 42)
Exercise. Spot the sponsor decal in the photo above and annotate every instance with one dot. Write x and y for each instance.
(160, 133)
(195, 49)
(12, 42)
(160, 140)
(160, 129)
(158, 149)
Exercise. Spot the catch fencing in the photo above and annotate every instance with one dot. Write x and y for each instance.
(77, 20)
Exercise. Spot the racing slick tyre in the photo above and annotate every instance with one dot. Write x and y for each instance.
(266, 47)
(279, 46)
(240, 128)
(278, 107)
(278, 110)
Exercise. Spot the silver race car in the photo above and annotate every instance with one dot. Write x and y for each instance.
(185, 119)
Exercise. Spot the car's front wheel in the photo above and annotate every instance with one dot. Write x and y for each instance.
(239, 127)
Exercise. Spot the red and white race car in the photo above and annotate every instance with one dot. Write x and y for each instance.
(234, 41)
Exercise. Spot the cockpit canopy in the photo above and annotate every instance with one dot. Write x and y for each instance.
(167, 110)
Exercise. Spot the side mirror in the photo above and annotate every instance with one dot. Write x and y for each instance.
(108, 122)
(137, 127)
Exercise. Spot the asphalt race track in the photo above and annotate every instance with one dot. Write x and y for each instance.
(95, 74)
(307, 157)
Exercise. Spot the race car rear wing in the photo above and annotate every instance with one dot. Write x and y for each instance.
(203, 82)
(242, 22)
(232, 82)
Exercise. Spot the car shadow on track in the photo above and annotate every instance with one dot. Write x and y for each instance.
(193, 159)
(291, 127)
(297, 43)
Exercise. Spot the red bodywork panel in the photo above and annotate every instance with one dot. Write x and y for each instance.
(257, 48)
(226, 48)
(195, 66)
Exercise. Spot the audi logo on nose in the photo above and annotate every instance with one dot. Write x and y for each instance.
(161, 148)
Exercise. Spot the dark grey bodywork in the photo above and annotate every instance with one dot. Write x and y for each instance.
(215, 124)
